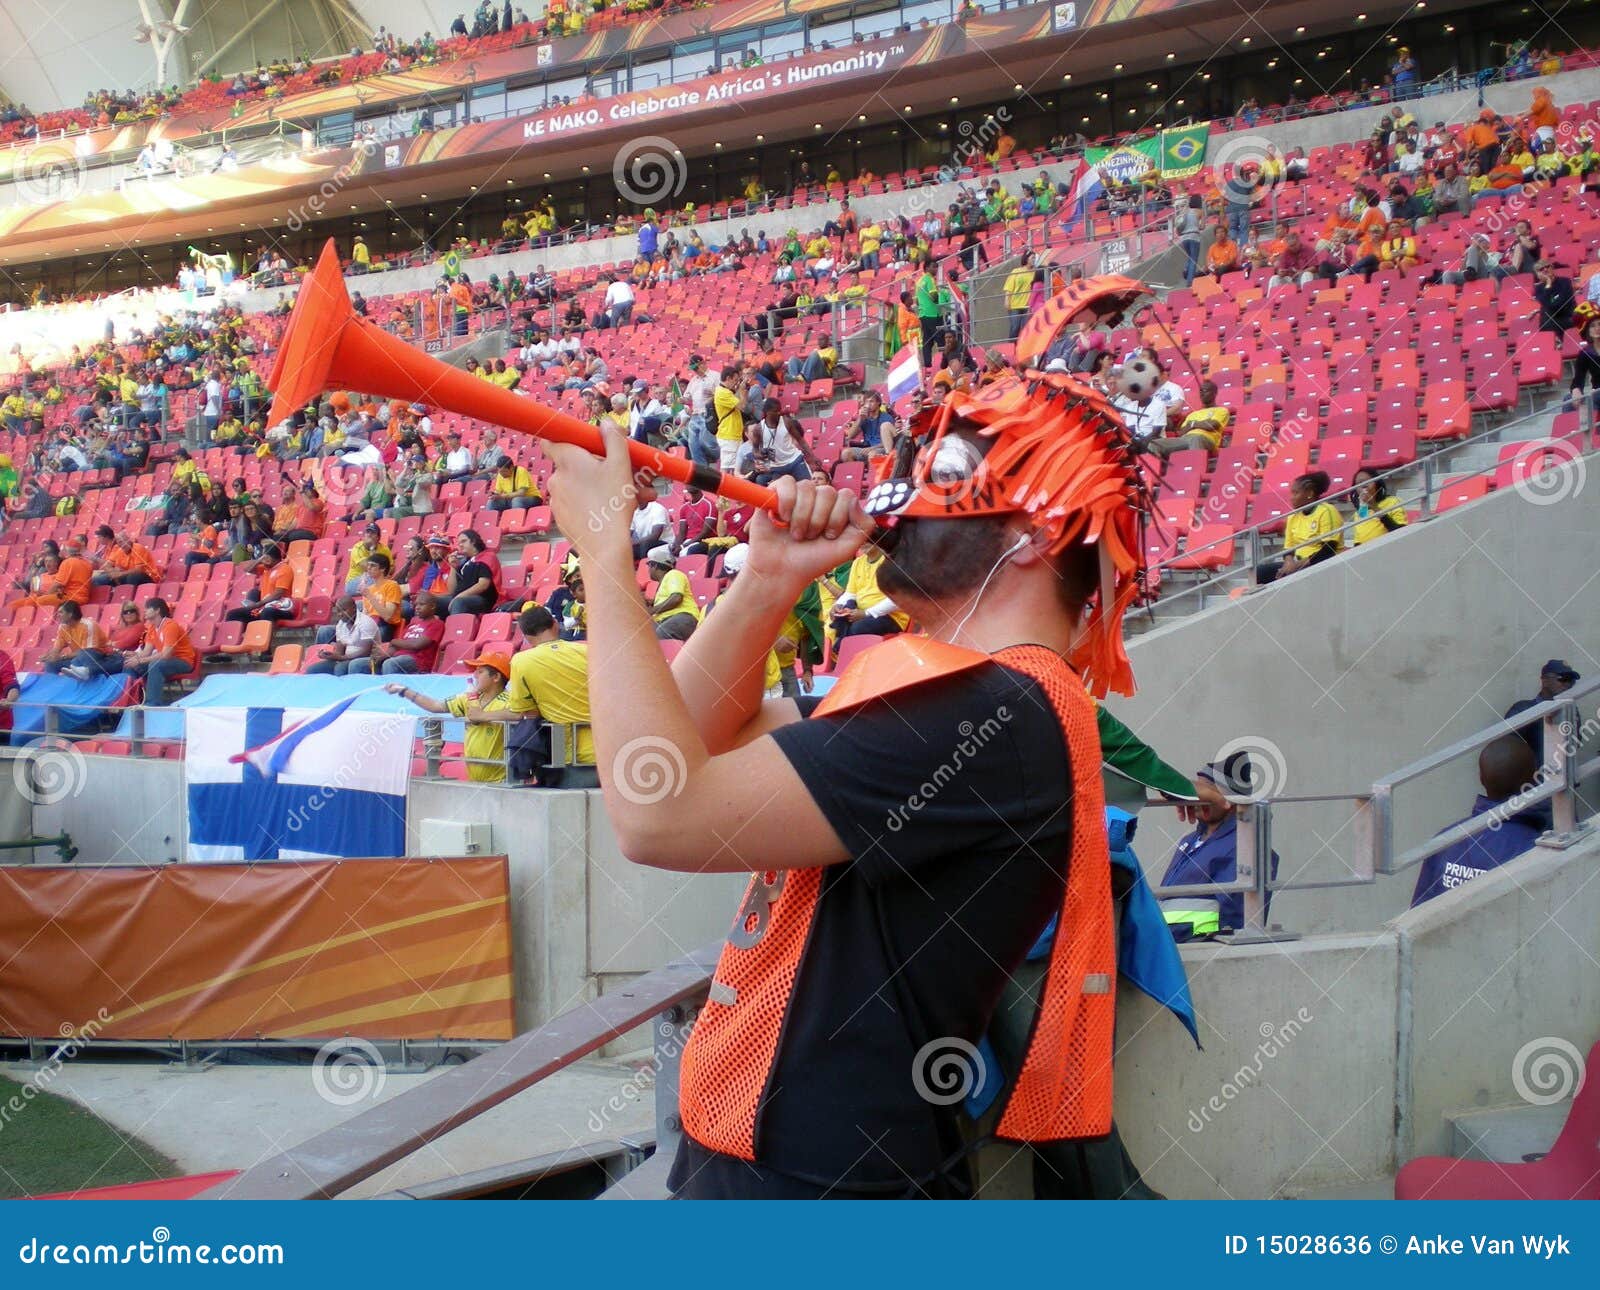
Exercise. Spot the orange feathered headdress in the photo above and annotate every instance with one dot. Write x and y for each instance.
(1059, 454)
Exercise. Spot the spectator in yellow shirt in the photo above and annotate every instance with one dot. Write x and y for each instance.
(483, 706)
(550, 680)
(371, 544)
(512, 488)
(863, 609)
(1201, 429)
(1311, 534)
(1377, 510)
(1018, 287)
(674, 609)
(728, 402)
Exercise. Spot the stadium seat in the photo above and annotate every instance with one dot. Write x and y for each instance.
(1570, 1170)
(1208, 546)
(256, 640)
(286, 660)
(850, 647)
(1461, 491)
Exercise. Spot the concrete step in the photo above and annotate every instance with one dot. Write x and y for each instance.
(1364, 1189)
(1507, 1134)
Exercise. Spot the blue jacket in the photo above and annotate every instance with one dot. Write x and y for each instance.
(1147, 956)
(1200, 858)
(1461, 862)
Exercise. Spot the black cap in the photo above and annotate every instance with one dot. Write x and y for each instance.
(1560, 669)
(1234, 774)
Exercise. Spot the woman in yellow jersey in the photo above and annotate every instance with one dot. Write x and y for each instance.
(1377, 510)
(1311, 534)
(484, 745)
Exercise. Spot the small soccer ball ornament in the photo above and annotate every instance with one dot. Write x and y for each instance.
(1139, 378)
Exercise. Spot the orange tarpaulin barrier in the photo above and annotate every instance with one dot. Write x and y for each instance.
(382, 949)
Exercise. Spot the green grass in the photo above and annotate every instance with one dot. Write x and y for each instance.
(51, 1144)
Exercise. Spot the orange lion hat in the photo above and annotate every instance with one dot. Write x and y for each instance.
(1059, 454)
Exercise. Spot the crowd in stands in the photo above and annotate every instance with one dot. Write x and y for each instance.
(365, 536)
(491, 28)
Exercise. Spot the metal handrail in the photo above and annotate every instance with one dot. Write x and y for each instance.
(1374, 853)
(337, 1159)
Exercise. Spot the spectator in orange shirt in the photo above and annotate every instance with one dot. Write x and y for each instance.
(75, 636)
(128, 564)
(381, 595)
(1339, 222)
(1543, 117)
(310, 516)
(71, 581)
(271, 599)
(1482, 140)
(1367, 255)
(164, 653)
(1222, 256)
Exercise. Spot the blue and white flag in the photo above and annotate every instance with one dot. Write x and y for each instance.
(275, 783)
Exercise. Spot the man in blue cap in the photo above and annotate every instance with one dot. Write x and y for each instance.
(1556, 677)
(1209, 853)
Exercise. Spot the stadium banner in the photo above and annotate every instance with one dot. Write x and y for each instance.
(297, 950)
(989, 30)
(1175, 154)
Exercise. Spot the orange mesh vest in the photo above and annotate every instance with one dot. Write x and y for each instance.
(1064, 1087)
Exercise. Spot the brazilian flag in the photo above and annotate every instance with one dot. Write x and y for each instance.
(808, 609)
(1183, 152)
(450, 264)
(891, 332)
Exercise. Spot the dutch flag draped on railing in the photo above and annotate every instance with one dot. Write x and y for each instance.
(905, 379)
(1084, 188)
(270, 783)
